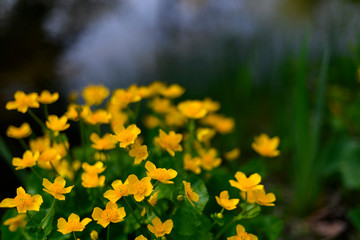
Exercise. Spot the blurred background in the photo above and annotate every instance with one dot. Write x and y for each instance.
(287, 68)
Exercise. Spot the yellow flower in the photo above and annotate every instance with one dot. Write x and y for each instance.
(120, 190)
(172, 91)
(61, 148)
(171, 141)
(192, 109)
(156, 87)
(118, 118)
(40, 143)
(97, 168)
(160, 229)
(48, 156)
(57, 189)
(95, 94)
(150, 121)
(65, 169)
(161, 174)
(210, 105)
(92, 180)
(72, 225)
(192, 164)
(141, 237)
(139, 152)
(23, 102)
(126, 136)
(266, 146)
(73, 111)
(205, 134)
(160, 105)
(100, 116)
(190, 194)
(29, 160)
(223, 125)
(154, 198)
(121, 98)
(209, 159)
(57, 124)
(47, 98)
(139, 188)
(112, 213)
(175, 118)
(242, 235)
(246, 184)
(21, 132)
(94, 235)
(15, 222)
(225, 202)
(259, 197)
(233, 154)
(107, 142)
(23, 201)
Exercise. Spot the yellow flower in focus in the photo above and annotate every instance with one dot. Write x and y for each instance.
(209, 159)
(95, 94)
(246, 184)
(19, 132)
(242, 235)
(57, 124)
(259, 197)
(23, 102)
(190, 194)
(160, 105)
(23, 201)
(205, 134)
(92, 180)
(170, 142)
(139, 188)
(120, 190)
(266, 146)
(39, 144)
(160, 229)
(94, 235)
(100, 116)
(141, 237)
(225, 202)
(97, 168)
(172, 91)
(47, 98)
(139, 152)
(150, 121)
(72, 225)
(15, 222)
(192, 109)
(29, 159)
(57, 189)
(161, 174)
(126, 136)
(154, 198)
(232, 155)
(112, 213)
(192, 164)
(107, 142)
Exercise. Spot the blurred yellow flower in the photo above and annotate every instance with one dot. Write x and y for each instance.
(210, 105)
(95, 94)
(246, 184)
(100, 116)
(205, 134)
(39, 143)
(47, 157)
(92, 180)
(170, 142)
(175, 118)
(209, 159)
(19, 132)
(150, 121)
(160, 229)
(161, 174)
(141, 237)
(107, 142)
(154, 198)
(160, 105)
(15, 222)
(112, 213)
(192, 109)
(242, 235)
(192, 164)
(94, 235)
(57, 189)
(190, 194)
(232, 155)
(259, 197)
(57, 124)
(172, 91)
(225, 202)
(97, 168)
(120, 190)
(126, 136)
(266, 146)
(72, 225)
(23, 102)
(139, 188)
(121, 98)
(118, 118)
(139, 152)
(222, 125)
(23, 201)
(29, 159)
(47, 98)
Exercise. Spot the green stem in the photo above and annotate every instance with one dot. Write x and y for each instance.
(191, 129)
(54, 169)
(108, 232)
(74, 235)
(23, 144)
(36, 174)
(36, 118)
(30, 218)
(223, 230)
(46, 112)
(132, 211)
(51, 208)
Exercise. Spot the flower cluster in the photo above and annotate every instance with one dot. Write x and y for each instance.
(148, 175)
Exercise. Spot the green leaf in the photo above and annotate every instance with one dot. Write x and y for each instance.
(199, 188)
(354, 216)
(266, 227)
